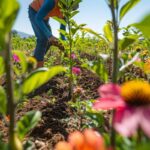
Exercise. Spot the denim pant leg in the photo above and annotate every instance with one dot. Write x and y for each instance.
(48, 45)
(42, 42)
(46, 7)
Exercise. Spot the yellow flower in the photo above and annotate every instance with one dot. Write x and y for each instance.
(136, 92)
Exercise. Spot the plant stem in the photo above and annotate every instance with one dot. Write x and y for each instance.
(10, 96)
(115, 49)
(70, 59)
(70, 52)
(114, 13)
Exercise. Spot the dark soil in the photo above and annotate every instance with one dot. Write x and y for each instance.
(58, 118)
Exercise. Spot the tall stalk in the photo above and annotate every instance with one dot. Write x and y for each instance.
(9, 90)
(115, 42)
(114, 13)
(70, 52)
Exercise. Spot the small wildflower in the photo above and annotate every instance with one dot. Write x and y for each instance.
(73, 56)
(76, 70)
(16, 58)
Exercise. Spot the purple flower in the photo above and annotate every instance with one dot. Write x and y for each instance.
(16, 58)
(73, 56)
(76, 70)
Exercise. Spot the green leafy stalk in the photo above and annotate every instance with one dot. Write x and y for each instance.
(115, 43)
(71, 62)
(10, 95)
(68, 8)
(114, 13)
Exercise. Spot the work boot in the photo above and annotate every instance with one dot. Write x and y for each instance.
(55, 42)
(40, 64)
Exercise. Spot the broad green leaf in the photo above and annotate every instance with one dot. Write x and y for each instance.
(39, 77)
(126, 7)
(27, 122)
(75, 4)
(93, 32)
(2, 67)
(144, 25)
(3, 100)
(108, 32)
(22, 62)
(61, 21)
(82, 25)
(64, 2)
(63, 32)
(74, 31)
(8, 12)
(74, 13)
(127, 41)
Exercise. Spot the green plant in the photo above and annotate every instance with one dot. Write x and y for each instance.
(24, 84)
(68, 8)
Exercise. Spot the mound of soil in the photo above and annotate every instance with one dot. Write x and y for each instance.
(58, 118)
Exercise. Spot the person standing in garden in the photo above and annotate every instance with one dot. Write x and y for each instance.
(39, 13)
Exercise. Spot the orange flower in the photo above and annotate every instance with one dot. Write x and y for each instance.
(88, 140)
(63, 146)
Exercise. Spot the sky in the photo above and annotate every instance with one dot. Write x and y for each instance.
(94, 13)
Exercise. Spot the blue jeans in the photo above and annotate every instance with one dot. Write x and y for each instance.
(42, 29)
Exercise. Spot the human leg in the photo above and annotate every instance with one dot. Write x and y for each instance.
(41, 42)
(47, 6)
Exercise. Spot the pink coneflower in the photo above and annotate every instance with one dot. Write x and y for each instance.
(136, 113)
(132, 104)
(16, 58)
(76, 70)
(109, 97)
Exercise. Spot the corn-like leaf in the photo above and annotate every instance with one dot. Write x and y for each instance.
(61, 21)
(93, 32)
(127, 41)
(39, 77)
(127, 6)
(108, 32)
